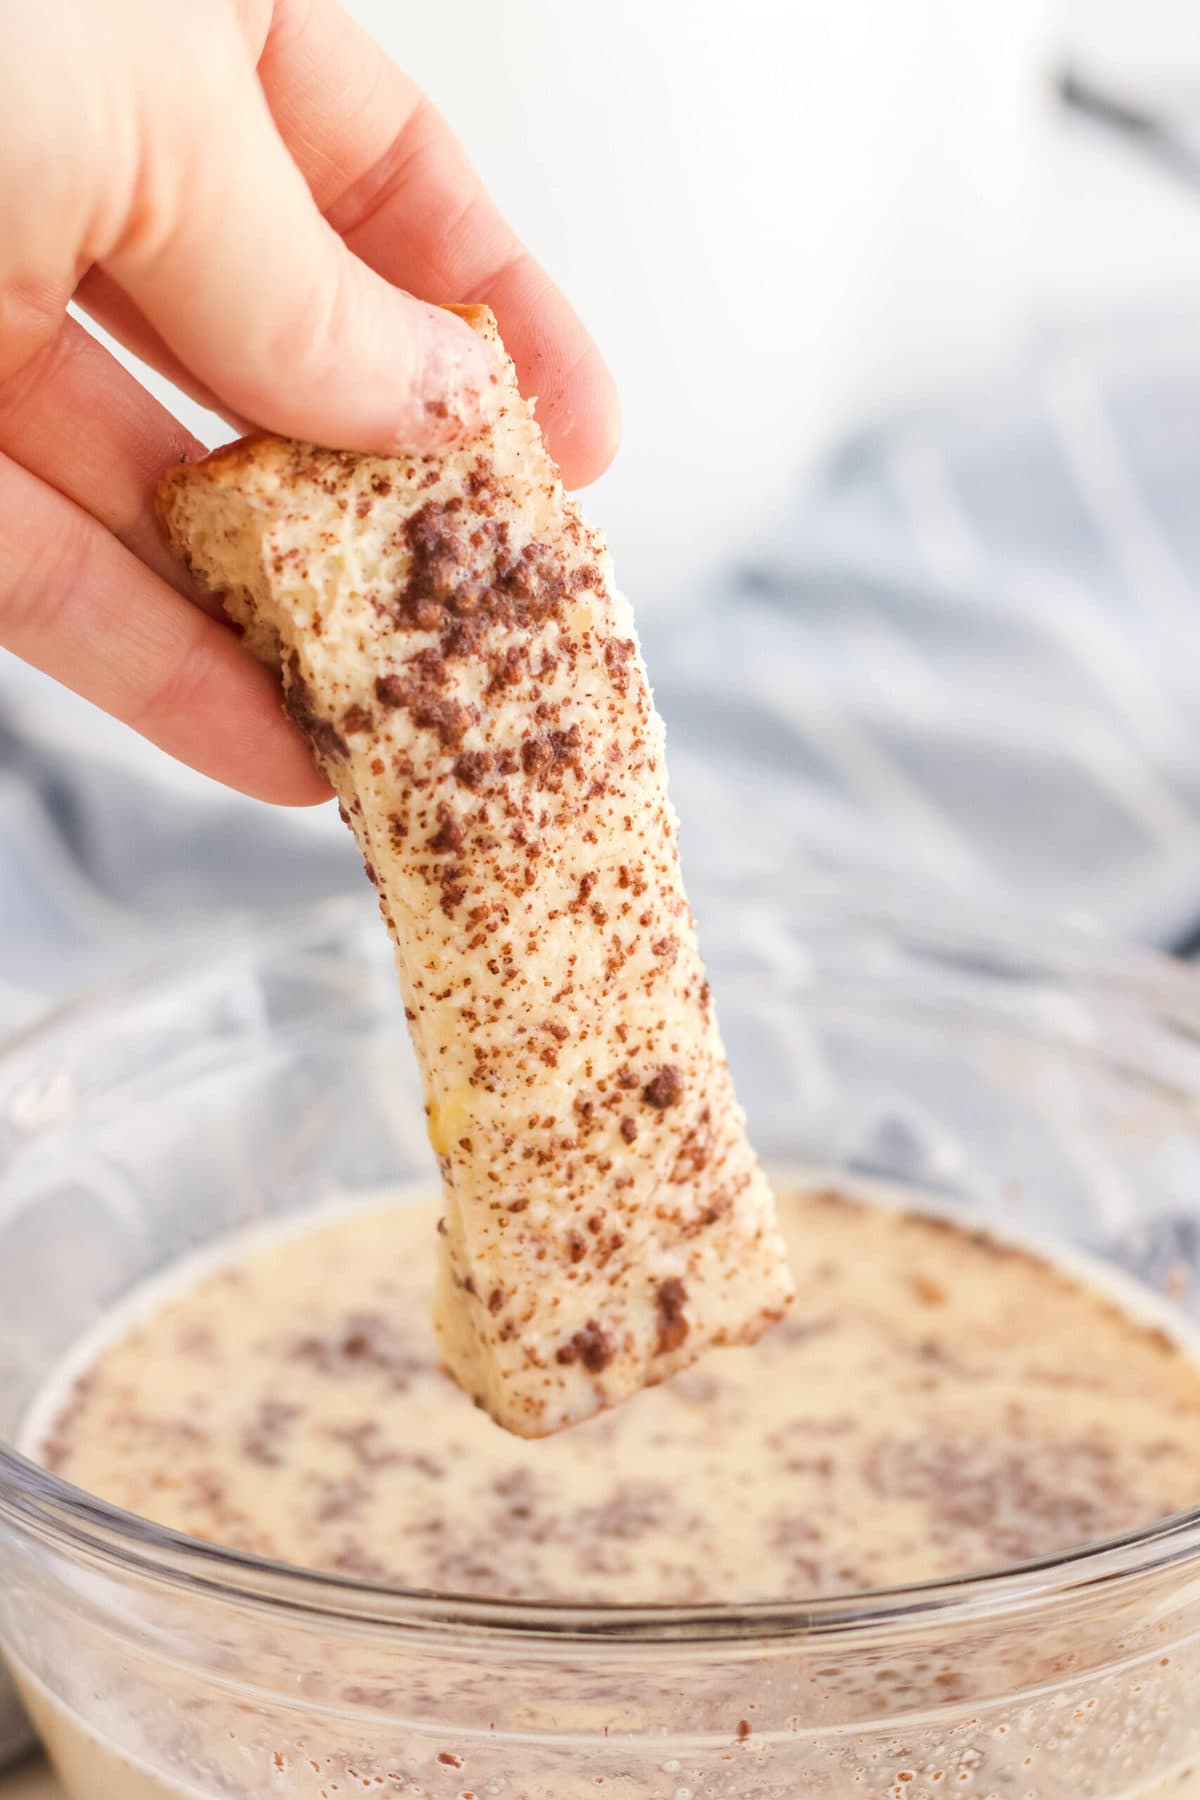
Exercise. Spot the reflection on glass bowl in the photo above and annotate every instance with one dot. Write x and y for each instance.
(1025, 1081)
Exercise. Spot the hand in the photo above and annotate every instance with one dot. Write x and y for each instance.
(241, 191)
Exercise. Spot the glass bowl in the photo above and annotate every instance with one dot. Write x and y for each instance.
(1027, 1079)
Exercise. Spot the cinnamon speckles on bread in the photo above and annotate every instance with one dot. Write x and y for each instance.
(451, 642)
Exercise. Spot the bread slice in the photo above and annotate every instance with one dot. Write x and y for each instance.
(450, 639)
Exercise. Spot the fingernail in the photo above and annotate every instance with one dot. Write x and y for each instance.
(460, 382)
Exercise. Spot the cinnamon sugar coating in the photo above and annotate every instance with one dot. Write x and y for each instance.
(451, 641)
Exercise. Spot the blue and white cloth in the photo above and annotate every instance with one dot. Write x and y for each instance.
(975, 654)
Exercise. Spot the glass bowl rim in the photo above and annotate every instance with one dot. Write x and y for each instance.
(44, 1507)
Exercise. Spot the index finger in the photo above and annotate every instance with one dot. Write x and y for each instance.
(391, 177)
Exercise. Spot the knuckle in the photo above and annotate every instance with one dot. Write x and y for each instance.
(31, 317)
(26, 380)
(320, 330)
(184, 687)
(38, 593)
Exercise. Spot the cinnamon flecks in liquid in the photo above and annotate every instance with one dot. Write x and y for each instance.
(937, 1403)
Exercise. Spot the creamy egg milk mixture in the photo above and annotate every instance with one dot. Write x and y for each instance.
(936, 1403)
